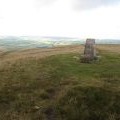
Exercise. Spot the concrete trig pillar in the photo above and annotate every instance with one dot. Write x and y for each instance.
(89, 51)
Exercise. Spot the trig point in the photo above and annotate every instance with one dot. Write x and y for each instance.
(89, 51)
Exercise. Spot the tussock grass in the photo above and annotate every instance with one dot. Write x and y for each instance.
(59, 87)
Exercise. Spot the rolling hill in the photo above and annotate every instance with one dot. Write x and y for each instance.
(28, 42)
(52, 84)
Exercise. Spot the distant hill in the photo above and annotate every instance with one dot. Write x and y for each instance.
(23, 42)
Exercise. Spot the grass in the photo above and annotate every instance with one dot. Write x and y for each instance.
(59, 87)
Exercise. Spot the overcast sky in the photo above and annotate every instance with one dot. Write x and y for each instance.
(64, 18)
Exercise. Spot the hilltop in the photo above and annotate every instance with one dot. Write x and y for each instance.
(52, 84)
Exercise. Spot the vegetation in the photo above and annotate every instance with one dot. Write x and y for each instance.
(59, 87)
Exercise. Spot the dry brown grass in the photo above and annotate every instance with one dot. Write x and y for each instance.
(39, 53)
(109, 48)
(44, 52)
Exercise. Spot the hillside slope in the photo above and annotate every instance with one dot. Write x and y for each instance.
(58, 86)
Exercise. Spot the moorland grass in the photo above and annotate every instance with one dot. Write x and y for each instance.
(61, 88)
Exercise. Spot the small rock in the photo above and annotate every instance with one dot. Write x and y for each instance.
(75, 57)
(36, 107)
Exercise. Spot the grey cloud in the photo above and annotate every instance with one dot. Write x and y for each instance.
(81, 4)
(89, 4)
(45, 2)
